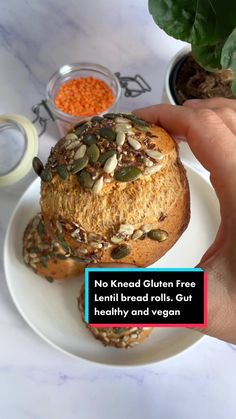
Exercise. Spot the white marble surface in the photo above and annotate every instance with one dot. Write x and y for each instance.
(36, 381)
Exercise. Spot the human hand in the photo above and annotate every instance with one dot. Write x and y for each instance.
(209, 126)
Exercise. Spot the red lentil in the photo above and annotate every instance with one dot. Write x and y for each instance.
(84, 96)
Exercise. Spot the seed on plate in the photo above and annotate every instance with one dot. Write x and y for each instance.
(103, 158)
(153, 169)
(137, 234)
(37, 165)
(148, 162)
(73, 145)
(120, 252)
(134, 143)
(147, 227)
(98, 185)
(89, 139)
(35, 222)
(79, 164)
(85, 179)
(108, 133)
(41, 228)
(110, 164)
(80, 152)
(71, 136)
(93, 153)
(127, 174)
(158, 235)
(154, 154)
(62, 171)
(116, 240)
(46, 175)
(120, 138)
(126, 229)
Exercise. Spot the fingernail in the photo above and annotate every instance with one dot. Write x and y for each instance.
(190, 102)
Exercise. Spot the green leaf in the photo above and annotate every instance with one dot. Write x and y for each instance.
(200, 22)
(208, 56)
(228, 56)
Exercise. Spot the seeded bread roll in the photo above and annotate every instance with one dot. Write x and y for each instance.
(47, 258)
(114, 189)
(120, 337)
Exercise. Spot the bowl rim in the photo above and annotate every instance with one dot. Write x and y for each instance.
(66, 69)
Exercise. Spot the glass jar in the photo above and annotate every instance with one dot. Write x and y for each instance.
(63, 120)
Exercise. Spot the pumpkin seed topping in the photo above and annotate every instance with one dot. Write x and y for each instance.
(62, 171)
(89, 139)
(127, 174)
(85, 179)
(79, 164)
(37, 166)
(93, 153)
(108, 133)
(120, 252)
(103, 158)
(46, 175)
(158, 235)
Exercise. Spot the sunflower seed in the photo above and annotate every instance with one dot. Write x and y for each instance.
(126, 229)
(134, 143)
(85, 179)
(26, 258)
(158, 235)
(103, 158)
(46, 175)
(137, 234)
(153, 169)
(96, 245)
(148, 162)
(110, 164)
(62, 171)
(80, 152)
(121, 120)
(89, 139)
(147, 227)
(116, 240)
(73, 145)
(108, 133)
(79, 164)
(120, 138)
(126, 128)
(120, 252)
(35, 222)
(98, 185)
(155, 154)
(75, 233)
(71, 136)
(37, 166)
(93, 153)
(127, 174)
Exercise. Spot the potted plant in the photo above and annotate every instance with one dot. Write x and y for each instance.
(208, 67)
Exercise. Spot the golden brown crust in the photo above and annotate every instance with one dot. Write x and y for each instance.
(160, 200)
(119, 337)
(47, 258)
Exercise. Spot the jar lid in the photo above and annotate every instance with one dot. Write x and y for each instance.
(18, 145)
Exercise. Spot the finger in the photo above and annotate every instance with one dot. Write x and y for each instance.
(228, 117)
(211, 141)
(218, 102)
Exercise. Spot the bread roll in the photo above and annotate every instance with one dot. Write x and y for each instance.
(114, 189)
(120, 337)
(46, 257)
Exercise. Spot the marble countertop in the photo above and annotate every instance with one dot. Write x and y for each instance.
(36, 381)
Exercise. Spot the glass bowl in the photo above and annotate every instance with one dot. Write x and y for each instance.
(66, 121)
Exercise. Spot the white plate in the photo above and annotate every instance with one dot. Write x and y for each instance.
(51, 309)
